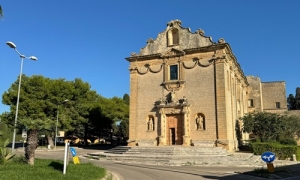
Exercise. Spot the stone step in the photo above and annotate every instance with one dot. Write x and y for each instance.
(168, 150)
(232, 160)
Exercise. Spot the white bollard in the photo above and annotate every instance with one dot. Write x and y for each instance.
(294, 157)
(65, 157)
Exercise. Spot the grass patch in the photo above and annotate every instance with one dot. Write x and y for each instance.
(50, 170)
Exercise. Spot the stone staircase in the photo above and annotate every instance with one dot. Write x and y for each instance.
(167, 151)
(180, 155)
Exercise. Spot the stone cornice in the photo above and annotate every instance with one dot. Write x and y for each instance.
(237, 68)
(136, 57)
(223, 54)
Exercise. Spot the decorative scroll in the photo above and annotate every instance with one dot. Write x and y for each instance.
(197, 61)
(147, 68)
(209, 62)
(200, 31)
(153, 69)
(189, 67)
(140, 72)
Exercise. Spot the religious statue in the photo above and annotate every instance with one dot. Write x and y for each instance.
(172, 96)
(150, 124)
(199, 122)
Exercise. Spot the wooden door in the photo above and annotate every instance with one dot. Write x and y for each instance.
(174, 130)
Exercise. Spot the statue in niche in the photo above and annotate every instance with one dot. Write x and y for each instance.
(172, 97)
(150, 124)
(200, 122)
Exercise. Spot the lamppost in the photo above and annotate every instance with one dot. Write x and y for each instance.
(12, 45)
(57, 112)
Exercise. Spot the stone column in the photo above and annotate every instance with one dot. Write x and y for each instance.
(162, 137)
(133, 105)
(186, 127)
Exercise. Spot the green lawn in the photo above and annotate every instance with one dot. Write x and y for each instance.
(44, 169)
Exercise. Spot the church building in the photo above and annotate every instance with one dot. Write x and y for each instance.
(187, 90)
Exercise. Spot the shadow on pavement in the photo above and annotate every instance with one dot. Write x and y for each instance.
(282, 172)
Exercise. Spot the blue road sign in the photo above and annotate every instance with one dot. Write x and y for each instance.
(73, 151)
(268, 157)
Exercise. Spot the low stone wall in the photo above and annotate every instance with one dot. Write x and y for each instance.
(294, 112)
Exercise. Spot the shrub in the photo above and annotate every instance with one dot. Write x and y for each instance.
(5, 153)
(281, 151)
(298, 153)
(288, 141)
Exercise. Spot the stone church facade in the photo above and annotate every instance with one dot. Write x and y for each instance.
(187, 90)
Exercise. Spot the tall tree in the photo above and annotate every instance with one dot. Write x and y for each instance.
(270, 126)
(126, 99)
(107, 113)
(124, 128)
(294, 101)
(297, 97)
(291, 101)
(38, 107)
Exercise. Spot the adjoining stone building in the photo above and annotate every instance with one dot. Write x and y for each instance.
(266, 96)
(187, 90)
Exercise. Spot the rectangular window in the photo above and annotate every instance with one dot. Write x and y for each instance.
(250, 103)
(278, 105)
(174, 72)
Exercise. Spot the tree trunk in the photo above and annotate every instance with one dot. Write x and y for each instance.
(31, 145)
(85, 134)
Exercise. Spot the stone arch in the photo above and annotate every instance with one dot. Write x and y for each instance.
(200, 121)
(150, 123)
(173, 37)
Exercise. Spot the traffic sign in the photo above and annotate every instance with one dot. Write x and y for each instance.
(73, 151)
(268, 157)
(76, 160)
(24, 135)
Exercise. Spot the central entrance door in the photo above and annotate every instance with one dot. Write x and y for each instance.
(174, 129)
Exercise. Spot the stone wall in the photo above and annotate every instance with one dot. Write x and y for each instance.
(254, 93)
(273, 92)
(294, 112)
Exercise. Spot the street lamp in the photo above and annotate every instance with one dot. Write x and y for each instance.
(12, 45)
(57, 112)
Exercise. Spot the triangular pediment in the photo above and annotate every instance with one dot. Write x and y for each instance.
(173, 53)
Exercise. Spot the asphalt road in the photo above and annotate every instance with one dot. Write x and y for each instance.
(130, 171)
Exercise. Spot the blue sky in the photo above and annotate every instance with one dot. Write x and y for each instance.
(90, 39)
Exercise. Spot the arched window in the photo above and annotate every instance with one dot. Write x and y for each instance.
(173, 37)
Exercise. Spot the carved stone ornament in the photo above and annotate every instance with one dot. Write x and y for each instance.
(133, 54)
(200, 31)
(174, 22)
(150, 40)
(221, 40)
(173, 85)
(172, 111)
(173, 53)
